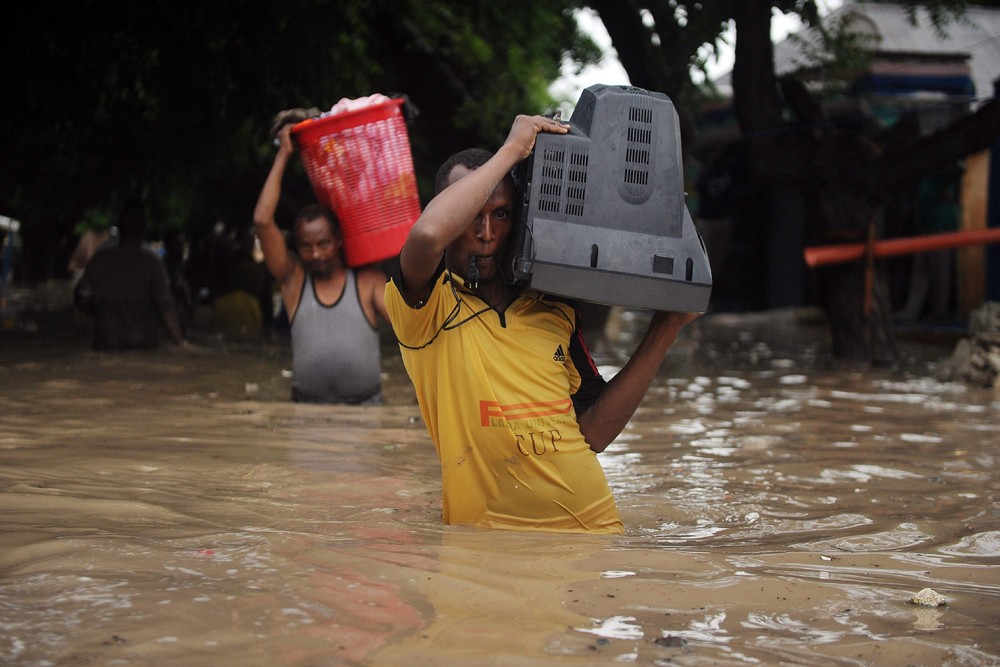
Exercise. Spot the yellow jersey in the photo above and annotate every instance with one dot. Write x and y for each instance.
(500, 393)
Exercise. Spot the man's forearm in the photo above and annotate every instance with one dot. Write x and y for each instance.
(616, 405)
(270, 193)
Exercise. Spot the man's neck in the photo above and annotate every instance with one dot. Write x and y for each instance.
(497, 293)
(331, 285)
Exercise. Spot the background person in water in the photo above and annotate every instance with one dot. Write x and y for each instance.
(333, 309)
(125, 289)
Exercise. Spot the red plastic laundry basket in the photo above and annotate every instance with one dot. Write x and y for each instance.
(359, 164)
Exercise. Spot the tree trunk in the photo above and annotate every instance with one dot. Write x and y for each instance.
(860, 325)
(831, 167)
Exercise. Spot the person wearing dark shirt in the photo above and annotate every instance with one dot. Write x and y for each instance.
(126, 290)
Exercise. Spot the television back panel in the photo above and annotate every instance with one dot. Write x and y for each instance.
(603, 210)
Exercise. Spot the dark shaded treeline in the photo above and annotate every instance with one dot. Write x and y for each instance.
(173, 100)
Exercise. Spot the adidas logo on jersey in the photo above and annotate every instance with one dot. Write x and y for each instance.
(559, 356)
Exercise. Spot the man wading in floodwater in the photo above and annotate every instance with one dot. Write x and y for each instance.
(510, 395)
(332, 309)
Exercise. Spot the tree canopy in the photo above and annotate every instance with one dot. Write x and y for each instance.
(173, 100)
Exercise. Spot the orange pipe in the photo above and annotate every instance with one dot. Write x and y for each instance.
(846, 252)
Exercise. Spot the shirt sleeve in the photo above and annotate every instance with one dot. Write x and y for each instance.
(591, 382)
(394, 274)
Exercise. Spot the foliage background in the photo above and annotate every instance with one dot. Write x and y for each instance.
(174, 100)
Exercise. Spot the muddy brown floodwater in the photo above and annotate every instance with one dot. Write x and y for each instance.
(172, 508)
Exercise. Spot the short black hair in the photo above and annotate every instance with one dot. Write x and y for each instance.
(312, 212)
(132, 221)
(470, 158)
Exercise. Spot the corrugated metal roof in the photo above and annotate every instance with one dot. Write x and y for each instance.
(976, 33)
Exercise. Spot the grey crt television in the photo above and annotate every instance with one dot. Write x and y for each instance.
(601, 210)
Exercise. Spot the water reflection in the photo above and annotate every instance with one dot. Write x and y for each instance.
(778, 509)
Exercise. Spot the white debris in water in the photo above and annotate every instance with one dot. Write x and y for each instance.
(919, 437)
(928, 597)
(616, 574)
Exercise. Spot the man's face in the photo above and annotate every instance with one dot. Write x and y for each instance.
(318, 247)
(488, 235)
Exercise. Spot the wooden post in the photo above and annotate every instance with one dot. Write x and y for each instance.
(970, 262)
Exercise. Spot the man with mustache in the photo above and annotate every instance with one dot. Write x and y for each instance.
(509, 393)
(333, 309)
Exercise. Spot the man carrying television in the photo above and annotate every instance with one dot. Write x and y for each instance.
(507, 388)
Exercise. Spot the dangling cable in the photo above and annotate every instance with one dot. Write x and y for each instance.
(450, 321)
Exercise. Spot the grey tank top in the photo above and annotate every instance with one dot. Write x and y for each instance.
(335, 349)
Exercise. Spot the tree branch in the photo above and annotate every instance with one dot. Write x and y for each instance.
(970, 134)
